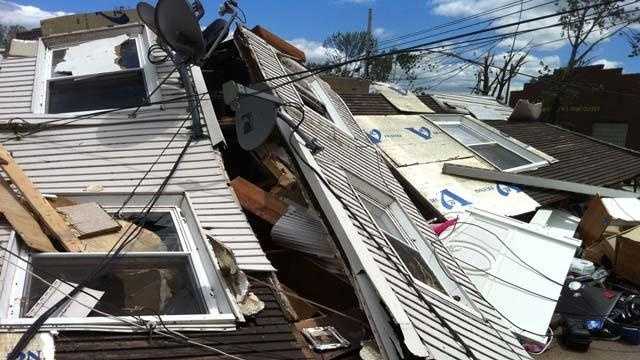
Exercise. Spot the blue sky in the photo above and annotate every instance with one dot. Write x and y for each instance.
(308, 22)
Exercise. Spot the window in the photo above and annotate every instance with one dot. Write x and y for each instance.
(166, 271)
(314, 95)
(400, 242)
(100, 73)
(502, 152)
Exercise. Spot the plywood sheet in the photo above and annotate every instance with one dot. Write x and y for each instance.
(453, 194)
(89, 219)
(411, 139)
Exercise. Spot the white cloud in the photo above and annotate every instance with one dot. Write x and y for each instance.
(314, 50)
(381, 33)
(608, 64)
(15, 14)
(463, 8)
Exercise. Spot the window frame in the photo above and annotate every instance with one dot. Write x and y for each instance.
(312, 86)
(536, 158)
(44, 62)
(418, 243)
(204, 272)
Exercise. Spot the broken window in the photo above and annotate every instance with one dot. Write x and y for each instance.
(501, 151)
(98, 74)
(313, 94)
(167, 270)
(399, 239)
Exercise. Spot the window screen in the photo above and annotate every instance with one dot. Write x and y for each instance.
(96, 92)
(415, 264)
(409, 256)
(464, 134)
(499, 156)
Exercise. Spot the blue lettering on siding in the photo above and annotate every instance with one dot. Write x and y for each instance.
(375, 136)
(423, 132)
(30, 355)
(505, 190)
(448, 199)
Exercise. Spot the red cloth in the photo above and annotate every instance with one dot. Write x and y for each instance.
(439, 228)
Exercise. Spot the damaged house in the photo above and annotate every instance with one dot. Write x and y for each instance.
(418, 301)
(82, 127)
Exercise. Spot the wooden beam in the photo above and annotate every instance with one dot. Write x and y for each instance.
(48, 216)
(257, 201)
(22, 220)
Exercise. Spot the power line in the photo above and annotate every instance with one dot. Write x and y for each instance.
(468, 26)
(454, 22)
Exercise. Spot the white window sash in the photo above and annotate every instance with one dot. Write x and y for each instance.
(44, 62)
(15, 277)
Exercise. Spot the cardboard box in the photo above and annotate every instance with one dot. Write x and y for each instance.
(627, 256)
(606, 212)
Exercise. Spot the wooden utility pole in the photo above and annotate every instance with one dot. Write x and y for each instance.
(370, 42)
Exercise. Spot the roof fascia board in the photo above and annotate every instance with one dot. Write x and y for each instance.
(534, 181)
(358, 255)
(210, 119)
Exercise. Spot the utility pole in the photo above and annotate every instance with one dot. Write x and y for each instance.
(370, 42)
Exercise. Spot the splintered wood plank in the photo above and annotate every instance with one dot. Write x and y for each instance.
(89, 219)
(49, 217)
(22, 220)
(257, 201)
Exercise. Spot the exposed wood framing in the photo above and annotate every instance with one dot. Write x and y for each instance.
(534, 181)
(257, 201)
(22, 220)
(50, 218)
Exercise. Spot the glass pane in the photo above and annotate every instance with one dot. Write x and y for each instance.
(464, 134)
(132, 285)
(500, 156)
(158, 233)
(97, 92)
(382, 218)
(415, 264)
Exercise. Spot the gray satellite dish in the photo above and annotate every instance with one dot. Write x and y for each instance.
(179, 28)
(255, 120)
(147, 14)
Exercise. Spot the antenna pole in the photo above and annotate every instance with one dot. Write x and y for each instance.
(196, 125)
(369, 42)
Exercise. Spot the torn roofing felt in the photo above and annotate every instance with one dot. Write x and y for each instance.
(428, 324)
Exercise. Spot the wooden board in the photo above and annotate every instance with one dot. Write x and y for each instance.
(22, 220)
(49, 217)
(89, 219)
(145, 240)
(257, 201)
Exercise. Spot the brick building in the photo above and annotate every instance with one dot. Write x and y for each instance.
(599, 102)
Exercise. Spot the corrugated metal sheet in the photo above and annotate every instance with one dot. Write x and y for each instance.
(418, 149)
(482, 107)
(580, 158)
(486, 335)
(303, 231)
(113, 152)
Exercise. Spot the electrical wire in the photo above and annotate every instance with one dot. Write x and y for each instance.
(113, 253)
(455, 22)
(454, 334)
(169, 333)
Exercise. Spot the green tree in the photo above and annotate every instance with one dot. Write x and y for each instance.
(8, 32)
(342, 46)
(590, 22)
